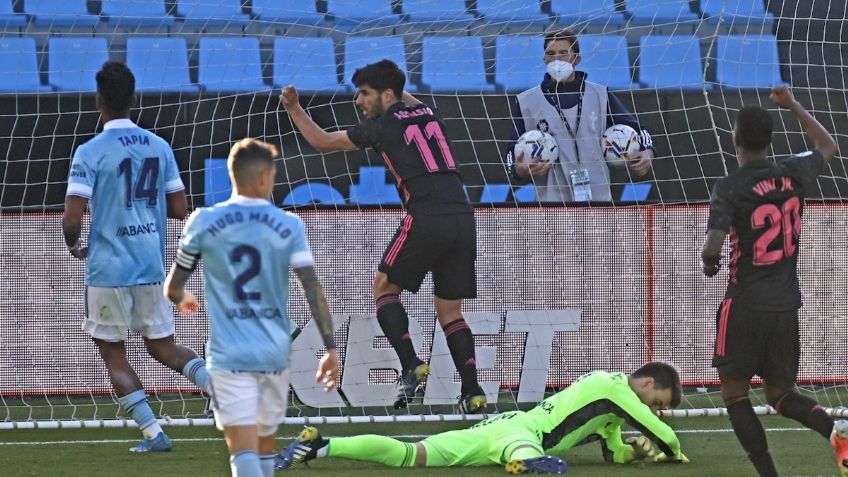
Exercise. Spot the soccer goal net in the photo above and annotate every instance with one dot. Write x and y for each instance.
(563, 288)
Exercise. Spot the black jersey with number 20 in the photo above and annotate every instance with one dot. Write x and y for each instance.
(760, 205)
(412, 142)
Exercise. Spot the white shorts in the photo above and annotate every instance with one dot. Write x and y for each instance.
(142, 309)
(244, 398)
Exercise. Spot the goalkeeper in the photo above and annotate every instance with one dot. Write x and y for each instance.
(593, 408)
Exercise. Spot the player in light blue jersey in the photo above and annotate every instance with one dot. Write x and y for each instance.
(129, 180)
(248, 246)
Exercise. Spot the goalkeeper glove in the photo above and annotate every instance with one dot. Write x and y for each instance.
(642, 447)
(662, 458)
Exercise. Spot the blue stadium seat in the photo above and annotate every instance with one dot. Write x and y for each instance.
(295, 12)
(136, 13)
(525, 193)
(159, 64)
(372, 188)
(19, 66)
(60, 13)
(230, 64)
(494, 193)
(636, 192)
(308, 63)
(362, 50)
(518, 61)
(8, 17)
(605, 59)
(513, 11)
(736, 12)
(594, 12)
(73, 62)
(362, 13)
(670, 61)
(216, 181)
(454, 63)
(658, 12)
(443, 13)
(199, 13)
(749, 61)
(313, 193)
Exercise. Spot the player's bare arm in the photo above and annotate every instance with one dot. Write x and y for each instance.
(318, 138)
(176, 292)
(711, 252)
(822, 140)
(328, 368)
(72, 224)
(177, 205)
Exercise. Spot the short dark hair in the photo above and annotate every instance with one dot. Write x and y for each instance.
(753, 128)
(116, 86)
(249, 156)
(564, 34)
(382, 75)
(665, 377)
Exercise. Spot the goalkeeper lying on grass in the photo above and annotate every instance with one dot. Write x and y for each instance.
(593, 408)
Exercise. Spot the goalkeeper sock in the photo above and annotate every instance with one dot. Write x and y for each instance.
(751, 435)
(266, 462)
(135, 404)
(245, 464)
(373, 448)
(461, 345)
(806, 411)
(395, 325)
(195, 371)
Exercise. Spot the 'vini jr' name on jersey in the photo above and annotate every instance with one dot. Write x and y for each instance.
(134, 139)
(770, 185)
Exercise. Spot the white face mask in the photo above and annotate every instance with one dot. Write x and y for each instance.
(560, 70)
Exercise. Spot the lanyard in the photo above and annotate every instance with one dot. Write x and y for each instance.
(572, 132)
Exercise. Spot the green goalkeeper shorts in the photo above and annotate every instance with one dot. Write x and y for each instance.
(489, 442)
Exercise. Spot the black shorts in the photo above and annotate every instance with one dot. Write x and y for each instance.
(443, 244)
(750, 342)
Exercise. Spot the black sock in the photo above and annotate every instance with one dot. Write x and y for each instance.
(806, 411)
(751, 435)
(395, 325)
(461, 345)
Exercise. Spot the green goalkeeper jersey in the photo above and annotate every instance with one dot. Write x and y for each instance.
(594, 407)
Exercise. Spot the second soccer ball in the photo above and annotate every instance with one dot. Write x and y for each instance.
(538, 145)
(618, 143)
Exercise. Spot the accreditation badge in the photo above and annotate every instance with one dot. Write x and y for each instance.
(580, 185)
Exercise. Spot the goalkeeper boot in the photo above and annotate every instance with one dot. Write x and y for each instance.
(545, 464)
(474, 402)
(409, 382)
(302, 449)
(160, 443)
(839, 442)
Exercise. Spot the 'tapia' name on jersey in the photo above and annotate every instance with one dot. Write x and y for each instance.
(134, 139)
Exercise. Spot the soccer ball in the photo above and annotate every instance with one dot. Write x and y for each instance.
(618, 143)
(538, 145)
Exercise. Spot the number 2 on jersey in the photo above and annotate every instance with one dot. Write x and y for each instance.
(253, 268)
(786, 219)
(432, 129)
(145, 183)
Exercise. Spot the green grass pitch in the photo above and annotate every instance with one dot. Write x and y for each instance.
(200, 451)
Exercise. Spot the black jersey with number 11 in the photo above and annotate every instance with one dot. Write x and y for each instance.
(412, 142)
(760, 206)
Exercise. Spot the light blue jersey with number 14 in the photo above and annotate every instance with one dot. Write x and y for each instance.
(247, 246)
(125, 172)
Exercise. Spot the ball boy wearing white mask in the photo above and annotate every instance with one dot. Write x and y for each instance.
(576, 112)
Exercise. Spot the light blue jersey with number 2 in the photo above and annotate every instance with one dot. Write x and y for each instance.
(125, 172)
(247, 246)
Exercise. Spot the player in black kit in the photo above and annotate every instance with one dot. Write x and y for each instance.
(760, 205)
(438, 233)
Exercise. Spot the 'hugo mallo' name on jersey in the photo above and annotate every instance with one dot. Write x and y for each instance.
(247, 246)
(125, 172)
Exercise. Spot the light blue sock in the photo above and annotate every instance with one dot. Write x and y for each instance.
(267, 463)
(195, 371)
(135, 404)
(245, 464)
